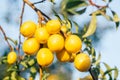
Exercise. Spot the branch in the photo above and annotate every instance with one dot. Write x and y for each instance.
(39, 2)
(92, 74)
(98, 6)
(21, 20)
(40, 17)
(41, 73)
(5, 37)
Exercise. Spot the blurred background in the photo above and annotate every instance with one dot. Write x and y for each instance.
(106, 40)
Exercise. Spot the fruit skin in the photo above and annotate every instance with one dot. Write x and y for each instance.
(12, 57)
(63, 28)
(44, 57)
(53, 77)
(63, 56)
(28, 28)
(89, 77)
(73, 43)
(82, 62)
(30, 46)
(72, 57)
(41, 35)
(53, 26)
(55, 42)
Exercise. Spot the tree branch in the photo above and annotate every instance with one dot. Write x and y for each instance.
(92, 74)
(41, 73)
(5, 37)
(98, 6)
(39, 2)
(21, 20)
(40, 17)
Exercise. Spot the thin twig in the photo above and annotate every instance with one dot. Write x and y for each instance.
(41, 73)
(39, 2)
(45, 15)
(5, 37)
(92, 74)
(21, 20)
(98, 6)
(40, 17)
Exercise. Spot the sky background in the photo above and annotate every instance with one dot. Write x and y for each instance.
(108, 46)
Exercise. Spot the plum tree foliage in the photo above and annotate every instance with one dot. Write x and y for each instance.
(68, 9)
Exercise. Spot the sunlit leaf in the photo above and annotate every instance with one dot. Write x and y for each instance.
(31, 62)
(33, 70)
(98, 59)
(115, 73)
(92, 27)
(14, 75)
(107, 67)
(20, 78)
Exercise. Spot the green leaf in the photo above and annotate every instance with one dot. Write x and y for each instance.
(31, 62)
(116, 19)
(20, 78)
(6, 78)
(115, 73)
(3, 70)
(14, 75)
(92, 27)
(23, 63)
(117, 24)
(81, 11)
(108, 71)
(53, 1)
(102, 73)
(73, 3)
(107, 67)
(33, 70)
(110, 0)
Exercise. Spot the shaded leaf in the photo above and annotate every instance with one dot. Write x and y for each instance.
(73, 3)
(92, 27)
(108, 71)
(115, 17)
(102, 73)
(81, 11)
(115, 73)
(117, 24)
(110, 0)
(56, 14)
(3, 70)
